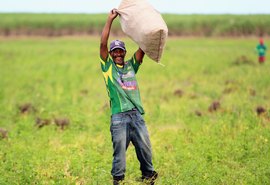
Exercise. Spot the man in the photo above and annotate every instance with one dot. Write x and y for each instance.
(127, 123)
(261, 50)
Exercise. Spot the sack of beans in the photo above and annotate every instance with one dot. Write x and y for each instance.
(145, 26)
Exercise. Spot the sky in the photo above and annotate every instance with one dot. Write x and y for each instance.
(163, 6)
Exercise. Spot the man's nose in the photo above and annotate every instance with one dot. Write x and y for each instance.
(118, 53)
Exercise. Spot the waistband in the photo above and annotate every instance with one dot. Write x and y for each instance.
(133, 110)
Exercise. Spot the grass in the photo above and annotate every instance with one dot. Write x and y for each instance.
(61, 78)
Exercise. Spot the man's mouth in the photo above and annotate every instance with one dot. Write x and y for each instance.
(119, 58)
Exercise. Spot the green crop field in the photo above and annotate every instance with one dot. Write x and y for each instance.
(88, 24)
(207, 112)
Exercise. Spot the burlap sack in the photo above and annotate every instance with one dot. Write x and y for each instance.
(144, 25)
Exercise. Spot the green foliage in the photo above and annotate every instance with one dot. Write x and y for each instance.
(184, 25)
(52, 24)
(61, 78)
(218, 25)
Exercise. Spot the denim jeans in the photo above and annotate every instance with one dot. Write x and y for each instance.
(129, 127)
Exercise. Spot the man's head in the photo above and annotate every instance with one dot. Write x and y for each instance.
(118, 51)
(261, 41)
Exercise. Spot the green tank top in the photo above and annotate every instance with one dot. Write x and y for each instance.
(122, 86)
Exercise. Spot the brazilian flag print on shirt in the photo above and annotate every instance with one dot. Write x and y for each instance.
(122, 85)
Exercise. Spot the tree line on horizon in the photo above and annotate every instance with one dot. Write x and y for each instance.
(15, 24)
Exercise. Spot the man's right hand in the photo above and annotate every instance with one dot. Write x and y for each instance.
(113, 14)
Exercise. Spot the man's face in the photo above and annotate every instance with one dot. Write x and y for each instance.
(118, 56)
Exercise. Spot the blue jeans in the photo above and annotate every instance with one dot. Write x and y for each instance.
(125, 127)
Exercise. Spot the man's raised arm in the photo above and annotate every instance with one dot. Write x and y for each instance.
(105, 34)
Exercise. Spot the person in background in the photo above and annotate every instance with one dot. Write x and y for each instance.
(127, 123)
(261, 50)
